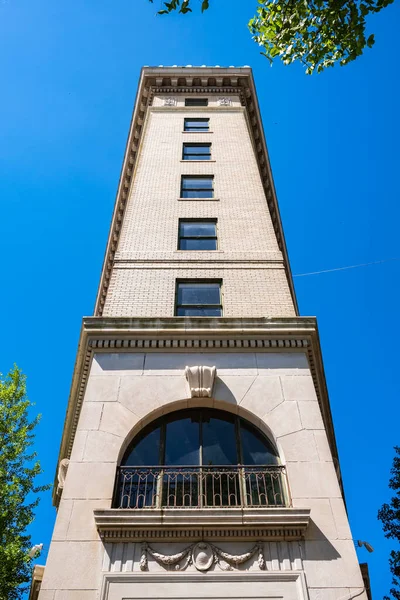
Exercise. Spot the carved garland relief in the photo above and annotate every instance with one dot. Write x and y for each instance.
(203, 556)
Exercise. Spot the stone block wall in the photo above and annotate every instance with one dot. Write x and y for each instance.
(274, 391)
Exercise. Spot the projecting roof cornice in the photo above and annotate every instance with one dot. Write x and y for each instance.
(221, 80)
(182, 334)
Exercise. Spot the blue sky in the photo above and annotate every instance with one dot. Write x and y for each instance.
(69, 73)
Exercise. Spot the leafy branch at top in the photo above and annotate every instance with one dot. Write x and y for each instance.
(318, 33)
(183, 7)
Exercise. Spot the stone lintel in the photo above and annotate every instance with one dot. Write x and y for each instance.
(197, 524)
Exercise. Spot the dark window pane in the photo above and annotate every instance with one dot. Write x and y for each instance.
(199, 293)
(189, 183)
(196, 151)
(197, 228)
(199, 312)
(181, 488)
(196, 101)
(198, 244)
(137, 488)
(146, 451)
(196, 124)
(256, 449)
(197, 194)
(219, 441)
(197, 157)
(200, 149)
(197, 187)
(182, 442)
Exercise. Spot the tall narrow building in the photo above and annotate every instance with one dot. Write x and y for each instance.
(198, 458)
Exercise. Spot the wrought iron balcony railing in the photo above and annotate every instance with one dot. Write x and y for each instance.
(201, 487)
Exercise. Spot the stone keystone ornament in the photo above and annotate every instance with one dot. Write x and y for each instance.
(201, 381)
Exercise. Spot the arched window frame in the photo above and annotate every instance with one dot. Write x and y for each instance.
(222, 415)
(233, 484)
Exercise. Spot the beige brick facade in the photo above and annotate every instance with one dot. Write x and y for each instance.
(148, 290)
(248, 259)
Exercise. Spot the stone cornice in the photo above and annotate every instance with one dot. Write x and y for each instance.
(197, 524)
(182, 334)
(232, 80)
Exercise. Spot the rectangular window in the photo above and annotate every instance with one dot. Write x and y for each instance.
(197, 235)
(196, 152)
(196, 101)
(196, 124)
(198, 299)
(197, 186)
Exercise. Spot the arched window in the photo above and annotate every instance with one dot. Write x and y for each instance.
(200, 457)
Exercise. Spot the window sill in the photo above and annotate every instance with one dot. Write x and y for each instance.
(198, 199)
(214, 523)
(201, 132)
(198, 161)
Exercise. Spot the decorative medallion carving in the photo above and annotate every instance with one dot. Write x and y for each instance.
(203, 556)
(224, 101)
(201, 381)
(169, 101)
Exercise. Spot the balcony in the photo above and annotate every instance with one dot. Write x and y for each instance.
(201, 487)
(194, 503)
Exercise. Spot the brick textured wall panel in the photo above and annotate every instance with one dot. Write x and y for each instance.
(153, 210)
(246, 292)
(247, 244)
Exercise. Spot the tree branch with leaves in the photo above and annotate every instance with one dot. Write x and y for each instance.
(18, 492)
(316, 33)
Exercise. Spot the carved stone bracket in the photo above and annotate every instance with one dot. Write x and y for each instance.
(61, 474)
(203, 556)
(201, 381)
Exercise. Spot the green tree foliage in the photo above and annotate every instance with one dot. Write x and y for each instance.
(18, 494)
(318, 33)
(389, 514)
